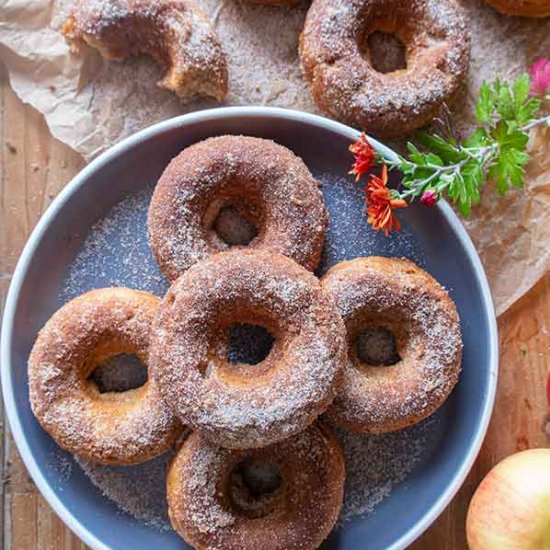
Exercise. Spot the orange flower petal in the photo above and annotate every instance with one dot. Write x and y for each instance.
(380, 204)
(364, 155)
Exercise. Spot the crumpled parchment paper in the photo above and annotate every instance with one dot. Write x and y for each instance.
(90, 104)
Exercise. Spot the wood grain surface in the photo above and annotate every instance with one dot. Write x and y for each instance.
(35, 167)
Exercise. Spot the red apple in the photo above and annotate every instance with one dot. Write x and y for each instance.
(511, 508)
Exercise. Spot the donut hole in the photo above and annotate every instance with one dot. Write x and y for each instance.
(244, 347)
(377, 346)
(384, 51)
(234, 228)
(120, 373)
(234, 218)
(248, 344)
(254, 488)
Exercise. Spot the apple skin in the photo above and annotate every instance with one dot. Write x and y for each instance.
(510, 509)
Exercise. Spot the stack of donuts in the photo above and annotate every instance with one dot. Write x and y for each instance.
(256, 463)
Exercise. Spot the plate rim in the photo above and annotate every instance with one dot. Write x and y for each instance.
(10, 306)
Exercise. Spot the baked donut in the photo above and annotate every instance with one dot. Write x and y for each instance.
(269, 186)
(285, 496)
(175, 33)
(111, 428)
(339, 70)
(240, 405)
(395, 295)
(526, 8)
(274, 2)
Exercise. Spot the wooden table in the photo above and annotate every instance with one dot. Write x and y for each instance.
(35, 167)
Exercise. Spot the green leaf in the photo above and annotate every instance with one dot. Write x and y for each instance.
(432, 158)
(452, 188)
(526, 112)
(504, 100)
(522, 157)
(509, 138)
(415, 155)
(507, 170)
(457, 192)
(484, 105)
(521, 88)
(479, 138)
(525, 107)
(473, 179)
(446, 150)
(465, 208)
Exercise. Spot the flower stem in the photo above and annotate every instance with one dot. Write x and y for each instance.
(536, 122)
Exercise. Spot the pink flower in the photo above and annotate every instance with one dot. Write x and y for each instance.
(540, 76)
(429, 197)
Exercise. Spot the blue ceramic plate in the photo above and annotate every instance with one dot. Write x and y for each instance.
(54, 266)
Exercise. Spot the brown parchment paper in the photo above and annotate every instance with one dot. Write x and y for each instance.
(90, 104)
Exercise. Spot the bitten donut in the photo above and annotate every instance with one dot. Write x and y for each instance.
(239, 405)
(525, 8)
(339, 70)
(267, 184)
(111, 428)
(175, 33)
(286, 496)
(394, 295)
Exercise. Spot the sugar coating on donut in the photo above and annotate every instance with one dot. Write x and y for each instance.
(274, 2)
(176, 33)
(265, 181)
(112, 427)
(397, 295)
(243, 406)
(305, 506)
(344, 83)
(526, 8)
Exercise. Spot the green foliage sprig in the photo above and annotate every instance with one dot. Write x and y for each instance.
(496, 151)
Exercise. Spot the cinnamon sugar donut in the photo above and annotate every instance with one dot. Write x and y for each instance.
(111, 428)
(285, 496)
(267, 184)
(241, 405)
(175, 33)
(395, 295)
(340, 72)
(274, 2)
(525, 8)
